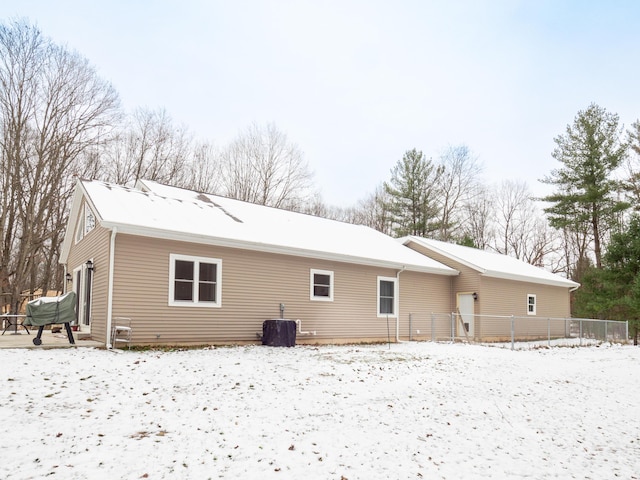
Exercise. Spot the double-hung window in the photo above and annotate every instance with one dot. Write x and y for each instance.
(387, 296)
(531, 304)
(321, 285)
(194, 281)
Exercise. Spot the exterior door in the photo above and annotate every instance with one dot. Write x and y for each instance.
(466, 310)
(82, 285)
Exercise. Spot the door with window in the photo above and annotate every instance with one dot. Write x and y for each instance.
(83, 286)
(466, 311)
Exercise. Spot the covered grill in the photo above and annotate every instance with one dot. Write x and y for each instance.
(52, 310)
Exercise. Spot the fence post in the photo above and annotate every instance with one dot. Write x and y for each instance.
(606, 330)
(549, 332)
(513, 334)
(580, 332)
(626, 331)
(453, 327)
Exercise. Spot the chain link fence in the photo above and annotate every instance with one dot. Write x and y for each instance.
(507, 330)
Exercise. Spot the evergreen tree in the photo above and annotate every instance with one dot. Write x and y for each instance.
(632, 181)
(613, 292)
(585, 199)
(412, 190)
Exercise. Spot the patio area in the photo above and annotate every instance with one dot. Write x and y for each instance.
(21, 339)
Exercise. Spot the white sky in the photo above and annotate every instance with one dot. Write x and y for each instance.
(357, 83)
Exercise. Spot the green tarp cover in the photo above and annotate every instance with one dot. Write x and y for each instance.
(48, 310)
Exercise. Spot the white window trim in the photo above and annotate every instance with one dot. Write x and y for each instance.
(535, 303)
(80, 226)
(194, 303)
(313, 272)
(395, 297)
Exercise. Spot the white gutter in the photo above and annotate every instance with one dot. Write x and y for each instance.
(398, 311)
(112, 255)
(279, 249)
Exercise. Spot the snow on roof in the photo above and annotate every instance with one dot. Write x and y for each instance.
(160, 211)
(492, 264)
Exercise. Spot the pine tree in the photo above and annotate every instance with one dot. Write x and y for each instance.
(613, 292)
(585, 200)
(412, 190)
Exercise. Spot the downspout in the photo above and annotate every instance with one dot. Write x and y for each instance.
(398, 312)
(112, 254)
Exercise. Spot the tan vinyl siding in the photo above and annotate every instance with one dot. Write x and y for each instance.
(254, 284)
(422, 296)
(507, 297)
(95, 246)
(503, 298)
(468, 281)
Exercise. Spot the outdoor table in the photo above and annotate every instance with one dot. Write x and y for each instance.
(15, 323)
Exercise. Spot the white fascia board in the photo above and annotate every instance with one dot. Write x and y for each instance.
(70, 234)
(523, 278)
(142, 186)
(411, 238)
(262, 247)
(491, 273)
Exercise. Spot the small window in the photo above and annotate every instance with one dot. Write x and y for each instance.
(531, 304)
(321, 285)
(194, 281)
(90, 220)
(386, 296)
(86, 222)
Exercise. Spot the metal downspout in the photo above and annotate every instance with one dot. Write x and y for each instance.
(398, 312)
(112, 255)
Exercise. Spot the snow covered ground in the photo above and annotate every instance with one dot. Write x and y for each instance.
(411, 410)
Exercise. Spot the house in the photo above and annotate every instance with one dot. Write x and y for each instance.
(190, 268)
(491, 288)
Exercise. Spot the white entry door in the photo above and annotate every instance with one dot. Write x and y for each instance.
(82, 285)
(466, 309)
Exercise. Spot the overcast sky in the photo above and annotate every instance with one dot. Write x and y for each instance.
(357, 83)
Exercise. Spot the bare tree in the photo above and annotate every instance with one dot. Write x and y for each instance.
(53, 109)
(521, 229)
(374, 211)
(150, 147)
(477, 226)
(261, 166)
(455, 185)
(513, 207)
(203, 169)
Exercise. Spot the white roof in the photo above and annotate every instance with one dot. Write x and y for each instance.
(156, 210)
(492, 264)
